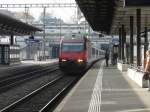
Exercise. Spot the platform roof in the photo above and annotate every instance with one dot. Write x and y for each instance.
(122, 16)
(98, 13)
(108, 15)
(12, 26)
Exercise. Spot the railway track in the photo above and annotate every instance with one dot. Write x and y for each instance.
(46, 97)
(16, 71)
(13, 80)
(43, 98)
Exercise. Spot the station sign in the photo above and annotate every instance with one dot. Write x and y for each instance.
(137, 3)
(32, 41)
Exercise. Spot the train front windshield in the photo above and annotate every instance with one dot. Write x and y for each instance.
(72, 47)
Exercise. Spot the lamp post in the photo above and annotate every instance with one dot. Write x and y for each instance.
(60, 28)
(44, 13)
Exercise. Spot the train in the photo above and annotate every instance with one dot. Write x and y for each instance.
(75, 53)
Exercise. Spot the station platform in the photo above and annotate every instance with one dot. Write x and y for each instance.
(39, 62)
(28, 63)
(105, 89)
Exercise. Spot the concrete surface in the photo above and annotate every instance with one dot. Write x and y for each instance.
(137, 77)
(122, 67)
(39, 62)
(79, 98)
(106, 89)
(27, 63)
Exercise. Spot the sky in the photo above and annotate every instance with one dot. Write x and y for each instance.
(63, 13)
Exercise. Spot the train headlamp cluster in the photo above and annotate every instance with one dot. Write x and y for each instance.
(79, 60)
(63, 60)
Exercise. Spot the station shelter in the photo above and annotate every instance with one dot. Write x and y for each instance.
(10, 27)
(9, 53)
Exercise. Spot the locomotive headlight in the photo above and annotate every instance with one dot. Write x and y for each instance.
(79, 60)
(63, 60)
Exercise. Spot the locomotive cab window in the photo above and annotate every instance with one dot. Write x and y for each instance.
(72, 47)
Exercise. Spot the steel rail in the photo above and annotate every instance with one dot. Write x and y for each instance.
(11, 106)
(57, 97)
(16, 71)
(50, 103)
(12, 81)
(17, 75)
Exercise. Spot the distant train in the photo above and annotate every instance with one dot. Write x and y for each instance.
(75, 53)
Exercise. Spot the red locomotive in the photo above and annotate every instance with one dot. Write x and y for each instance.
(74, 53)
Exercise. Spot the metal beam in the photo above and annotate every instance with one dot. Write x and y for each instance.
(146, 42)
(119, 44)
(122, 42)
(131, 39)
(51, 5)
(138, 12)
(11, 40)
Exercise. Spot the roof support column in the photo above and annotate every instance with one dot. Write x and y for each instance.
(122, 43)
(131, 39)
(119, 44)
(12, 40)
(146, 42)
(138, 14)
(44, 36)
(126, 55)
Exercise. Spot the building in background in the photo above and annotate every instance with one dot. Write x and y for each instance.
(55, 29)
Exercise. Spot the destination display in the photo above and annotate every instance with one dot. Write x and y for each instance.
(141, 3)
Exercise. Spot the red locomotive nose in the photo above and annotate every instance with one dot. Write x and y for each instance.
(79, 57)
(74, 54)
